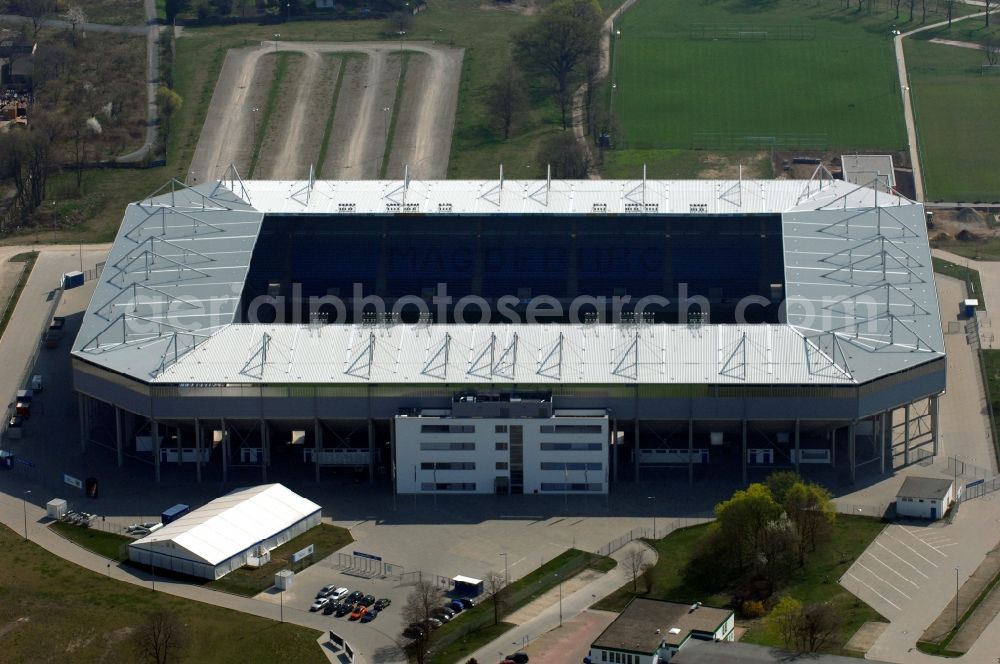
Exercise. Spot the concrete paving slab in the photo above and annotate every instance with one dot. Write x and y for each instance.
(866, 636)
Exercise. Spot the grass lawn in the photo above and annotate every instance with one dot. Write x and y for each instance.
(816, 582)
(991, 361)
(955, 108)
(836, 88)
(973, 284)
(28, 258)
(685, 164)
(109, 545)
(475, 628)
(52, 611)
(246, 581)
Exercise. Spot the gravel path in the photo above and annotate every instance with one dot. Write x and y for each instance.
(356, 145)
(289, 156)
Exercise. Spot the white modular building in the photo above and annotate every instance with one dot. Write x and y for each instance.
(228, 532)
(925, 497)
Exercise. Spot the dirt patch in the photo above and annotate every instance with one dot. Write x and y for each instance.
(967, 236)
(721, 166)
(281, 125)
(405, 135)
(14, 624)
(525, 7)
(345, 115)
(366, 140)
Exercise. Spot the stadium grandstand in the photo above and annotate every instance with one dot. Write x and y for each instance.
(514, 336)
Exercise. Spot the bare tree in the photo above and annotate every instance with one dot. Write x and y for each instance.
(76, 17)
(635, 561)
(988, 3)
(950, 4)
(569, 159)
(647, 576)
(991, 46)
(160, 638)
(507, 98)
(35, 10)
(423, 599)
(400, 22)
(495, 583)
(818, 624)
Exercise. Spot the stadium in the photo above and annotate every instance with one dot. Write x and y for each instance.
(518, 337)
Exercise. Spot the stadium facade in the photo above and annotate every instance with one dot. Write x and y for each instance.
(513, 337)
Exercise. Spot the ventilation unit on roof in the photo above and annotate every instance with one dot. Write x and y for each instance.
(411, 207)
(652, 207)
(346, 207)
(444, 207)
(633, 207)
(699, 208)
(393, 207)
(599, 207)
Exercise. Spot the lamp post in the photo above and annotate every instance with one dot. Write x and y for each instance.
(652, 500)
(109, 570)
(253, 144)
(506, 571)
(152, 571)
(276, 35)
(956, 596)
(24, 504)
(281, 598)
(385, 118)
(560, 599)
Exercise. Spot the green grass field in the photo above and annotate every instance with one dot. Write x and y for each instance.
(973, 283)
(836, 89)
(109, 545)
(53, 611)
(816, 582)
(955, 110)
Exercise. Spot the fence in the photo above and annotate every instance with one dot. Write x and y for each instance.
(713, 140)
(958, 468)
(979, 488)
(662, 528)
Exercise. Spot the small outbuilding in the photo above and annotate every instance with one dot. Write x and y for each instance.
(925, 497)
(226, 533)
(650, 631)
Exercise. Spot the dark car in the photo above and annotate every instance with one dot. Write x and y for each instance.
(344, 609)
(355, 596)
(518, 657)
(383, 603)
(442, 614)
(369, 616)
(368, 600)
(414, 631)
(466, 602)
(330, 608)
(455, 606)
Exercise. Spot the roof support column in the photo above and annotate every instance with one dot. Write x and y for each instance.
(852, 429)
(155, 430)
(119, 437)
(884, 421)
(317, 444)
(935, 430)
(392, 460)
(906, 435)
(225, 451)
(690, 451)
(263, 450)
(180, 446)
(743, 455)
(198, 443)
(81, 401)
(798, 452)
(371, 450)
(635, 449)
(614, 451)
(833, 446)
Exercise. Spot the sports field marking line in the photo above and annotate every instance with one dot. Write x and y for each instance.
(891, 569)
(915, 552)
(903, 560)
(884, 581)
(889, 601)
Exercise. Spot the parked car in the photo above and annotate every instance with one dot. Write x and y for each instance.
(355, 596)
(339, 594)
(433, 623)
(36, 383)
(383, 603)
(466, 602)
(441, 614)
(369, 616)
(414, 631)
(368, 600)
(344, 609)
(330, 607)
(319, 603)
(518, 658)
(326, 591)
(359, 611)
(455, 606)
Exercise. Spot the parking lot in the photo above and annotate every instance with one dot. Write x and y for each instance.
(899, 566)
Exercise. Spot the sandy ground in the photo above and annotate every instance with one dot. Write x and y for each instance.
(405, 138)
(274, 142)
(357, 140)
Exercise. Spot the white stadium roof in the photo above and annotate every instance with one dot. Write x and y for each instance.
(859, 287)
(231, 524)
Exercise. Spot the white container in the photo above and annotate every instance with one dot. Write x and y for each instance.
(56, 508)
(283, 579)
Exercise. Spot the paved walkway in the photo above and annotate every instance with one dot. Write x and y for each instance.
(904, 86)
(572, 605)
(959, 44)
(989, 274)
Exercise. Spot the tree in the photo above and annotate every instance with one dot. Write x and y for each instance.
(810, 508)
(174, 7)
(160, 638)
(635, 562)
(776, 552)
(506, 98)
(951, 10)
(567, 157)
(647, 576)
(35, 10)
(784, 619)
(988, 3)
(992, 49)
(779, 482)
(742, 520)
(495, 583)
(818, 623)
(76, 17)
(562, 38)
(400, 22)
(168, 101)
(423, 599)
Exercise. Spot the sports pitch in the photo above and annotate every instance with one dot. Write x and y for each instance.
(956, 109)
(742, 75)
